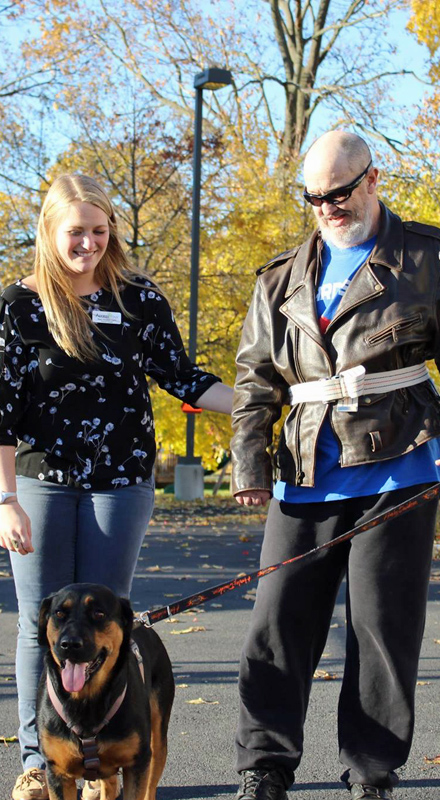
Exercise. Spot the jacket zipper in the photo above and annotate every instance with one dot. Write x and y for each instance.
(393, 330)
(404, 394)
(299, 474)
(298, 371)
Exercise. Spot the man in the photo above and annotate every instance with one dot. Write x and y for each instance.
(339, 329)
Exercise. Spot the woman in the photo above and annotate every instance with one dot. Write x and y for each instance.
(79, 336)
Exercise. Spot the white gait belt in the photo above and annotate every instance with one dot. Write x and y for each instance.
(353, 383)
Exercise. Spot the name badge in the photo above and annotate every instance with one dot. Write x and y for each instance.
(109, 317)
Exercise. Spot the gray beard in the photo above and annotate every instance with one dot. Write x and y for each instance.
(356, 233)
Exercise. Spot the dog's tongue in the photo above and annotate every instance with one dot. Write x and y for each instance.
(73, 676)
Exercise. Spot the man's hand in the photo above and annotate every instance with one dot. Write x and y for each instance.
(253, 497)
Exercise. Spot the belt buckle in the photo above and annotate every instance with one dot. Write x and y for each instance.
(330, 393)
(347, 405)
(353, 378)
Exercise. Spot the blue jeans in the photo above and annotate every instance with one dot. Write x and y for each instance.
(78, 537)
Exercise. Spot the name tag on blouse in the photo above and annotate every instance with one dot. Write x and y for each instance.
(109, 317)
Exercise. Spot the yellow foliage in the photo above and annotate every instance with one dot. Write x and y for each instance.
(252, 207)
(425, 22)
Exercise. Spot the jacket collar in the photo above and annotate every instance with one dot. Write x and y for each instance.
(388, 250)
(389, 246)
(300, 305)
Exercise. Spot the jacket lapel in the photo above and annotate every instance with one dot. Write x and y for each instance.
(300, 304)
(388, 252)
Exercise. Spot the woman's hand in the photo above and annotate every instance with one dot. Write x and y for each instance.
(253, 497)
(15, 528)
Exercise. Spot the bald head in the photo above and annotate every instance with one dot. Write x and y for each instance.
(335, 161)
(333, 153)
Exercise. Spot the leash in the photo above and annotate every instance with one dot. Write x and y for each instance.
(149, 618)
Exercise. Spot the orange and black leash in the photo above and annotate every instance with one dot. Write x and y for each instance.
(149, 618)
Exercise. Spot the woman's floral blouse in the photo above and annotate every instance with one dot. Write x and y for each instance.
(90, 424)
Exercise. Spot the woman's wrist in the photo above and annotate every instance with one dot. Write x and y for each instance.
(10, 501)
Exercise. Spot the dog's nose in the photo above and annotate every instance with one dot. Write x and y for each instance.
(71, 643)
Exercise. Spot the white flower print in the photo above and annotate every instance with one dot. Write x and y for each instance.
(103, 440)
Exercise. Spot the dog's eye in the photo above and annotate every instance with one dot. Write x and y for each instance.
(60, 614)
(97, 614)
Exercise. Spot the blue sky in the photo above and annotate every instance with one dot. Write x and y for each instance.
(407, 91)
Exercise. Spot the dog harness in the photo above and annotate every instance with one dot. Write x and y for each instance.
(89, 745)
(353, 383)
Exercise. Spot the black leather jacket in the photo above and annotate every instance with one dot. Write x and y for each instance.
(388, 318)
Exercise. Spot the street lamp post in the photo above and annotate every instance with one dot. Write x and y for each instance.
(188, 477)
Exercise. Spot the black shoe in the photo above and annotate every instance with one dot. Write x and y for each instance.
(261, 784)
(363, 790)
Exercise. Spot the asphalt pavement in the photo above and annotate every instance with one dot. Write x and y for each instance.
(180, 558)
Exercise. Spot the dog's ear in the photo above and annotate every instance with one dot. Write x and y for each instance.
(43, 620)
(127, 615)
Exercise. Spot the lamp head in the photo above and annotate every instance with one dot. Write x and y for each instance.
(212, 78)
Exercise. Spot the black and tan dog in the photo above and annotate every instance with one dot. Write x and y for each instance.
(105, 697)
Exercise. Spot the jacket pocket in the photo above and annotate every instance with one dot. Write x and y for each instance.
(396, 331)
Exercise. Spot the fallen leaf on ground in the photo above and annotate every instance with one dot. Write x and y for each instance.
(8, 739)
(156, 568)
(435, 760)
(422, 683)
(326, 676)
(437, 641)
(193, 629)
(200, 701)
(182, 685)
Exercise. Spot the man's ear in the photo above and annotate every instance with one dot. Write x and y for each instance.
(372, 180)
(43, 620)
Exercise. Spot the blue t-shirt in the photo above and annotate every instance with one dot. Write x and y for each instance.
(332, 482)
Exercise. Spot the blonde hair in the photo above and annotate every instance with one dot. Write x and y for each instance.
(66, 314)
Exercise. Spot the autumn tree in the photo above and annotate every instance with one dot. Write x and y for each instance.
(120, 105)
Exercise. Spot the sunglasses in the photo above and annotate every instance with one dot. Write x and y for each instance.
(336, 196)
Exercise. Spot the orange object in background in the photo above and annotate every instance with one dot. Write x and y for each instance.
(190, 409)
